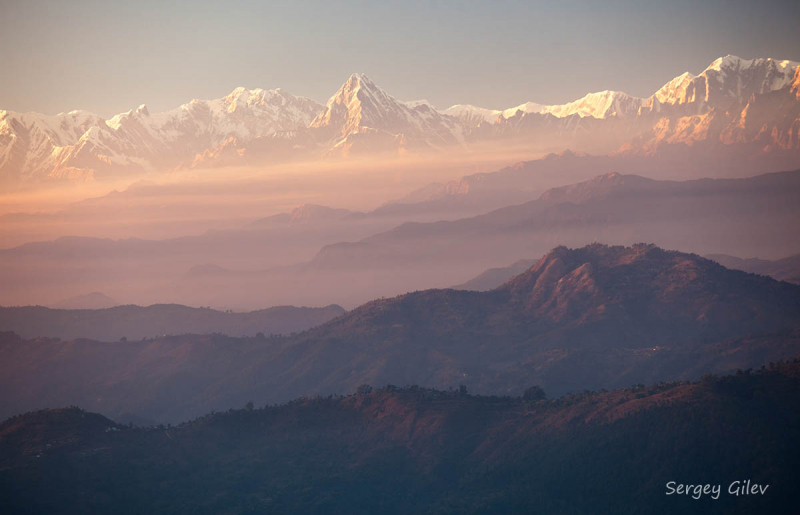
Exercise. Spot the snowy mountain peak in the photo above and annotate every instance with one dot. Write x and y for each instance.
(355, 83)
(727, 79)
(413, 104)
(343, 111)
(362, 115)
(673, 91)
(471, 115)
(260, 99)
(79, 144)
(736, 63)
(358, 102)
(601, 104)
(728, 61)
(237, 91)
(527, 107)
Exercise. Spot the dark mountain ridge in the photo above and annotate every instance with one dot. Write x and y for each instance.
(136, 322)
(416, 450)
(595, 317)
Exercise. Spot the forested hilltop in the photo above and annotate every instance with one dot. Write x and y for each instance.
(418, 450)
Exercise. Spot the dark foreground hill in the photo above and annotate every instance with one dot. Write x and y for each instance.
(595, 317)
(413, 450)
(137, 322)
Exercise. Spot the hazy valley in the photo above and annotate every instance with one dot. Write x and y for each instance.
(596, 317)
(268, 302)
(300, 259)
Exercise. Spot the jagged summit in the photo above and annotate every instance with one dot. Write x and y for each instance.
(361, 111)
(726, 80)
(733, 62)
(345, 111)
(250, 124)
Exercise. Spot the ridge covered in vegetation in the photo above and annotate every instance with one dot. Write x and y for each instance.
(419, 450)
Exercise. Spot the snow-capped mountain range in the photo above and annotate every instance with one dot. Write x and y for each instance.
(596, 105)
(727, 79)
(80, 144)
(733, 101)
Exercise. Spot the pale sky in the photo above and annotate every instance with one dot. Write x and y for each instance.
(108, 57)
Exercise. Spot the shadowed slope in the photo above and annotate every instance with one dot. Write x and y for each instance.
(596, 317)
(415, 450)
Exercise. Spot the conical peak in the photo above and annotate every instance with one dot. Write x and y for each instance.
(356, 82)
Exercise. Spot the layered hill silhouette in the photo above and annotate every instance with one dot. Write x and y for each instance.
(753, 216)
(594, 317)
(137, 322)
(316, 256)
(526, 180)
(130, 269)
(93, 300)
(416, 450)
(786, 269)
(615, 206)
(494, 277)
